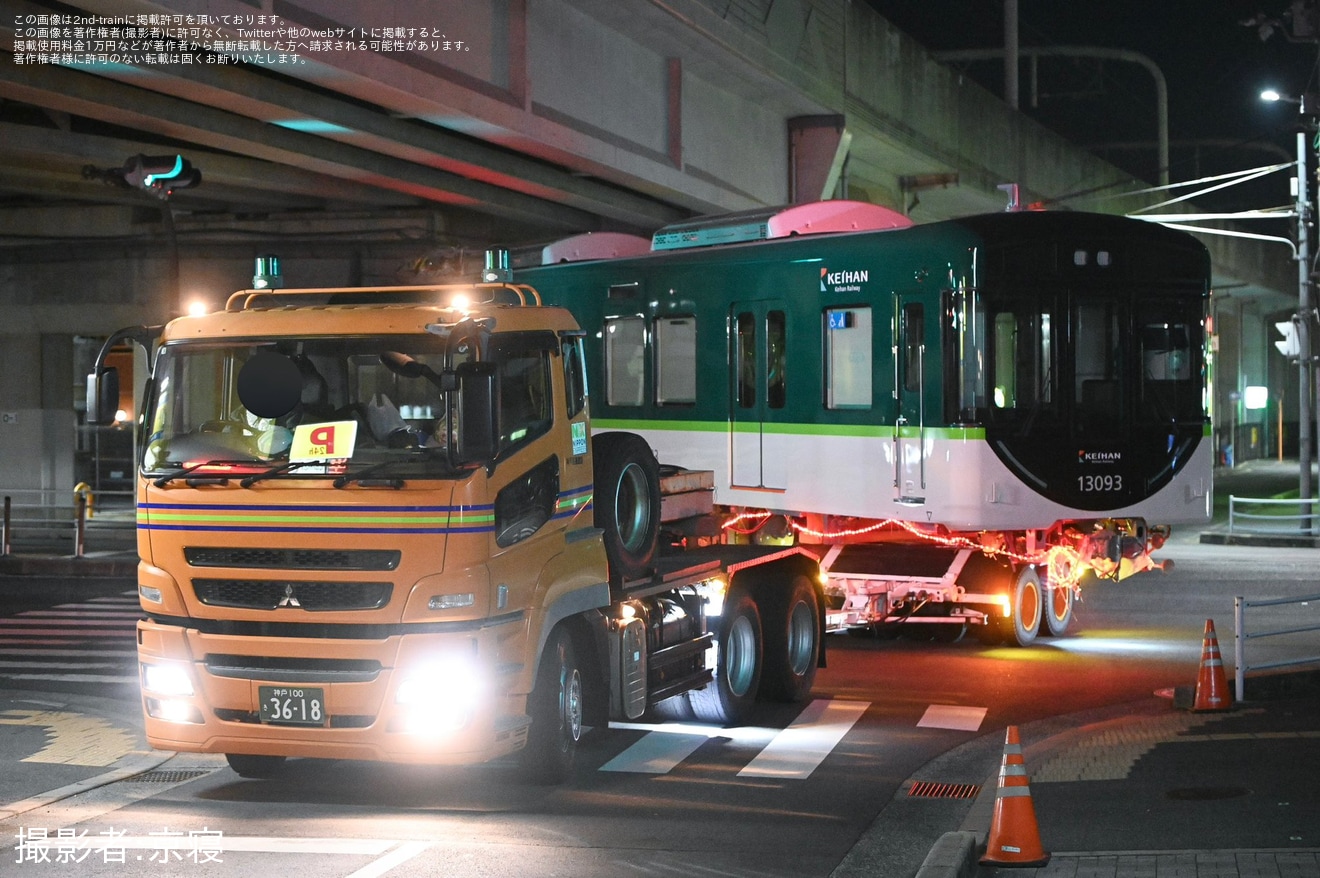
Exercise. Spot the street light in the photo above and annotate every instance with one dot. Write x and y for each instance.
(1305, 367)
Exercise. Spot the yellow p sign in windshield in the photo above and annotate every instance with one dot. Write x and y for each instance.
(333, 440)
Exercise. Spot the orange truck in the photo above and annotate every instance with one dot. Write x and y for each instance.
(373, 523)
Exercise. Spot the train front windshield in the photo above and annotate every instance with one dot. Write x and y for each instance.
(1097, 366)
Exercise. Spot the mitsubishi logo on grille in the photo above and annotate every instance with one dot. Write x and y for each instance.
(288, 600)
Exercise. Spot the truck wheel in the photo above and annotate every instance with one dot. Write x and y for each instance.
(1027, 605)
(792, 640)
(728, 699)
(555, 706)
(1058, 609)
(254, 767)
(627, 501)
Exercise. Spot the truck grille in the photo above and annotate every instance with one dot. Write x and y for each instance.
(271, 594)
(293, 559)
(292, 670)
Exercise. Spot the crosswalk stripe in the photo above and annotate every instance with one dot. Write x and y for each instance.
(656, 753)
(8, 663)
(797, 751)
(98, 613)
(97, 653)
(76, 678)
(17, 633)
(72, 623)
(952, 716)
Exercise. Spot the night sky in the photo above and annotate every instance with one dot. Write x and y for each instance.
(1215, 68)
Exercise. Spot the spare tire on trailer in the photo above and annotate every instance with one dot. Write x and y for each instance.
(626, 501)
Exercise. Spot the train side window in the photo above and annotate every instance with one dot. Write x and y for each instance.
(625, 360)
(848, 358)
(1023, 357)
(675, 360)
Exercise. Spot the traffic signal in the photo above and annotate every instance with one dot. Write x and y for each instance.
(160, 174)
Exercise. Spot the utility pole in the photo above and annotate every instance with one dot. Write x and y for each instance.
(1305, 368)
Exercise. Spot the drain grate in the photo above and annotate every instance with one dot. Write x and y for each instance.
(166, 776)
(928, 789)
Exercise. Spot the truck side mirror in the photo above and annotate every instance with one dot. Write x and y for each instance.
(102, 397)
(478, 425)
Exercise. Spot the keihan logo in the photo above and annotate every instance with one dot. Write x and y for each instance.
(1084, 456)
(836, 279)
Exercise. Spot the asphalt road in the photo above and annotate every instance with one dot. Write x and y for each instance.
(884, 711)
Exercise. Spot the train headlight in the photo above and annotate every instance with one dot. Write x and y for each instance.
(441, 695)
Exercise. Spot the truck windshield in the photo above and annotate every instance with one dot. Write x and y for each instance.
(346, 404)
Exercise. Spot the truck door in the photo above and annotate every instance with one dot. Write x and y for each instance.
(916, 379)
(758, 334)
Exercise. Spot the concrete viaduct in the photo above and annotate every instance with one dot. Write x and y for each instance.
(382, 143)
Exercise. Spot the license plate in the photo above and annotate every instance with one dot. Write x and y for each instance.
(292, 705)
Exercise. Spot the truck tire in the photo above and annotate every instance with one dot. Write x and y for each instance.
(792, 640)
(254, 767)
(728, 699)
(556, 708)
(1058, 610)
(1027, 605)
(627, 501)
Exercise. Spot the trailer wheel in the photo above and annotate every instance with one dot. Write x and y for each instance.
(254, 767)
(728, 698)
(1058, 610)
(792, 640)
(627, 501)
(1027, 606)
(556, 707)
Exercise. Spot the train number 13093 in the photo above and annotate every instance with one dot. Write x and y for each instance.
(1109, 482)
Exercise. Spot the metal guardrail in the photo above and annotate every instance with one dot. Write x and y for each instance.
(1241, 636)
(46, 517)
(1269, 522)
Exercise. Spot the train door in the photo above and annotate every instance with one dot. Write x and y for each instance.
(916, 372)
(758, 333)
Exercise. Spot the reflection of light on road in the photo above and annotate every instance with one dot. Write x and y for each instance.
(1143, 643)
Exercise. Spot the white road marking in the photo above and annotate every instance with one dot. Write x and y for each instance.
(224, 844)
(77, 678)
(951, 716)
(656, 753)
(59, 666)
(797, 751)
(76, 623)
(402, 854)
(97, 653)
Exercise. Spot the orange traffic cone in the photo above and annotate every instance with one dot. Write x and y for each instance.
(1211, 682)
(1014, 836)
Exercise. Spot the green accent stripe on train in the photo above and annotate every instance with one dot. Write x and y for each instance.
(871, 431)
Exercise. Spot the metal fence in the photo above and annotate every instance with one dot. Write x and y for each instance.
(46, 520)
(1252, 515)
(1241, 635)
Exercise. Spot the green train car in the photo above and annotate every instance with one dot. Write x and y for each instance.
(963, 417)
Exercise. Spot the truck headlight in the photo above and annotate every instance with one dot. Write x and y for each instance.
(440, 695)
(166, 678)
